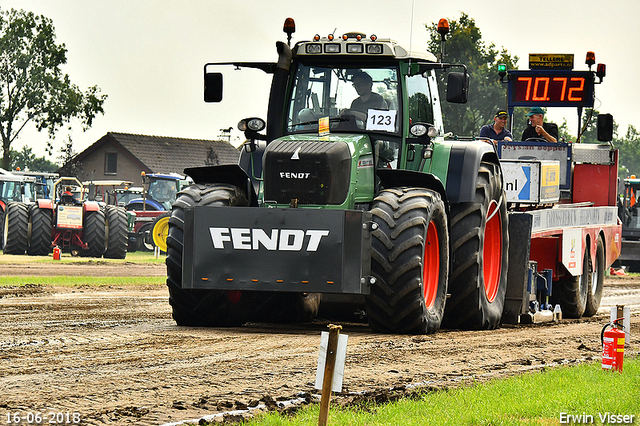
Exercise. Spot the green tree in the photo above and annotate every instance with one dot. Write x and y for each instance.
(27, 160)
(629, 152)
(33, 88)
(71, 167)
(486, 93)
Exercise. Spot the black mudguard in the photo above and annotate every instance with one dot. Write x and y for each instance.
(232, 174)
(464, 162)
(394, 178)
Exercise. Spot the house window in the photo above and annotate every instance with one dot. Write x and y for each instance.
(110, 163)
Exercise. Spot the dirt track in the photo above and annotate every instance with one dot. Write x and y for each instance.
(114, 355)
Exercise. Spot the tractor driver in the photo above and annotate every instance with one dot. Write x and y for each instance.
(68, 197)
(363, 83)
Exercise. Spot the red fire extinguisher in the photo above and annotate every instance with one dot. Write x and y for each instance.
(56, 253)
(612, 346)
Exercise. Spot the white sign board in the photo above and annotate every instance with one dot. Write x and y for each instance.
(572, 250)
(341, 355)
(381, 120)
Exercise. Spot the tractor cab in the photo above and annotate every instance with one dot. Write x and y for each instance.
(159, 191)
(628, 208)
(351, 109)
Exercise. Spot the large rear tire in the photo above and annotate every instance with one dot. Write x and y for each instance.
(116, 233)
(16, 228)
(479, 247)
(94, 233)
(201, 308)
(40, 224)
(594, 295)
(410, 261)
(572, 292)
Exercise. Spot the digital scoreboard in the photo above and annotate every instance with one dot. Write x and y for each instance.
(551, 88)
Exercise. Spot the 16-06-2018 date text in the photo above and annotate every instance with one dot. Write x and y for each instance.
(42, 418)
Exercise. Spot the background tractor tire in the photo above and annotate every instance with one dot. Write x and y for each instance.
(594, 295)
(572, 292)
(2, 206)
(201, 308)
(479, 251)
(160, 231)
(145, 237)
(94, 234)
(16, 228)
(410, 261)
(116, 232)
(40, 225)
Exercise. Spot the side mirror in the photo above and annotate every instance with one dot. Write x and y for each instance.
(458, 87)
(605, 127)
(212, 87)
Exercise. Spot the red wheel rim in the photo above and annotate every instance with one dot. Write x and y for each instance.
(431, 268)
(492, 253)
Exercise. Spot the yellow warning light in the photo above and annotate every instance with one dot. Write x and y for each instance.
(229, 279)
(289, 26)
(345, 37)
(316, 37)
(443, 27)
(205, 279)
(373, 37)
(591, 58)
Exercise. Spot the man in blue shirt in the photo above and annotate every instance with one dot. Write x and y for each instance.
(497, 131)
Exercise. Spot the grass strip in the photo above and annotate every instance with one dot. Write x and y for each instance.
(541, 398)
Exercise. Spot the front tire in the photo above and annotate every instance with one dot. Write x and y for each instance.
(571, 292)
(94, 234)
(16, 228)
(479, 247)
(116, 233)
(40, 224)
(594, 294)
(160, 230)
(410, 261)
(201, 308)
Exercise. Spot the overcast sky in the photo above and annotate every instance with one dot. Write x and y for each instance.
(148, 55)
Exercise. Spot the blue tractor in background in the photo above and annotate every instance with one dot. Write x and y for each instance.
(151, 221)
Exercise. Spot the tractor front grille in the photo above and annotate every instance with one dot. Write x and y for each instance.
(313, 172)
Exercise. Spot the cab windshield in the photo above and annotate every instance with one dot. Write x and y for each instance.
(350, 99)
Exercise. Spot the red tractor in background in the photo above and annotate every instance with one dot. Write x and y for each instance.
(76, 226)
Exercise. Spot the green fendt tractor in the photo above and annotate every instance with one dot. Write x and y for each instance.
(347, 193)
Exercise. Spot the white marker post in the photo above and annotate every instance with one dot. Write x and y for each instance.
(621, 311)
(331, 359)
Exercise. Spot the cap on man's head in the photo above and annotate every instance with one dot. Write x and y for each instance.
(502, 113)
(535, 110)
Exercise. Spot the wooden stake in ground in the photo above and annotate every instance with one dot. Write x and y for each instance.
(329, 367)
